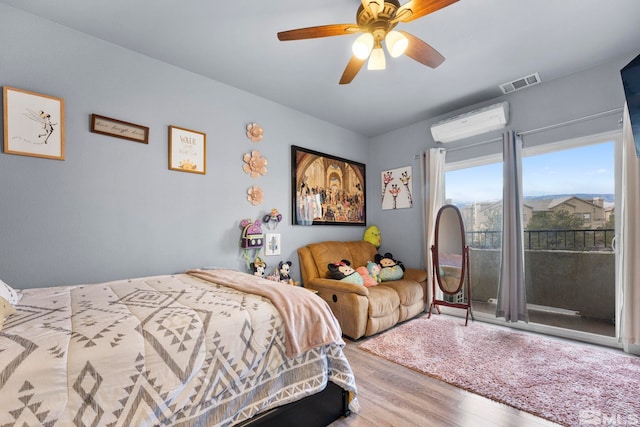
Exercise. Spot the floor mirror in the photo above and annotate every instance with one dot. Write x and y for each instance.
(450, 255)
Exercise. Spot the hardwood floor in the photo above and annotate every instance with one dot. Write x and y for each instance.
(392, 395)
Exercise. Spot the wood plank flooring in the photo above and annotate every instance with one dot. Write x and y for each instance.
(392, 395)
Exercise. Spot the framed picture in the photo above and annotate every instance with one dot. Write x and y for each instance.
(33, 124)
(326, 190)
(396, 188)
(187, 150)
(272, 244)
(119, 129)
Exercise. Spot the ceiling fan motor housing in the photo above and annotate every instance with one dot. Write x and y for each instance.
(379, 25)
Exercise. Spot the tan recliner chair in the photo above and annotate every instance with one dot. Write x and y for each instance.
(361, 311)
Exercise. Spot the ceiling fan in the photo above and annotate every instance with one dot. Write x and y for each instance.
(376, 19)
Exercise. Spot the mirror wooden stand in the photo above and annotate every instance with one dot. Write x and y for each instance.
(450, 266)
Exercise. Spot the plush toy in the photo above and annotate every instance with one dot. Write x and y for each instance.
(367, 279)
(284, 267)
(259, 267)
(275, 276)
(390, 269)
(373, 236)
(374, 270)
(344, 272)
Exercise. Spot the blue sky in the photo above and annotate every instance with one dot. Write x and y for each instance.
(588, 169)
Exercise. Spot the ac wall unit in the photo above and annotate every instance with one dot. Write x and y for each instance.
(472, 123)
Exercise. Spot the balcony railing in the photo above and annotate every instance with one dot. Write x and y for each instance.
(559, 240)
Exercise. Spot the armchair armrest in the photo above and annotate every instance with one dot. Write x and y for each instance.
(332, 285)
(415, 274)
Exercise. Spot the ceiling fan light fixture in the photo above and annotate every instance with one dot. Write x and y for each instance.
(362, 46)
(377, 60)
(396, 42)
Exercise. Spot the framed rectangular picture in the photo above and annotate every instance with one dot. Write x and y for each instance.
(396, 188)
(272, 244)
(119, 129)
(326, 189)
(187, 150)
(33, 124)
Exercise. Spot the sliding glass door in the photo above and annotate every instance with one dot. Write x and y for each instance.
(477, 191)
(569, 213)
(570, 195)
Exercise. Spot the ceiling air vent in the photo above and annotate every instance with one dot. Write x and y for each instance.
(520, 83)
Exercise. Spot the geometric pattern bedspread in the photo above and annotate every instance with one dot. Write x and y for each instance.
(167, 350)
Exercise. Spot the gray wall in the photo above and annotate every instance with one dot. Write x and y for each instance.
(112, 209)
(589, 92)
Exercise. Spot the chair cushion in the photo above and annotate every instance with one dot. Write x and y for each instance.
(382, 301)
(409, 291)
(328, 252)
(384, 309)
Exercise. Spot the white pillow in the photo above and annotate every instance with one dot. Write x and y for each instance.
(8, 293)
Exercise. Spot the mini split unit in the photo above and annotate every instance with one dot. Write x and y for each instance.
(472, 123)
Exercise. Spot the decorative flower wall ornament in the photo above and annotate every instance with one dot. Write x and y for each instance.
(255, 195)
(254, 164)
(255, 132)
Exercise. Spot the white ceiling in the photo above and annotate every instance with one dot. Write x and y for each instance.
(485, 42)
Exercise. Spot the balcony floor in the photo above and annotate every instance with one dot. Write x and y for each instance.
(566, 321)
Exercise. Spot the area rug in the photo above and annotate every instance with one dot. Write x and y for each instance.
(565, 382)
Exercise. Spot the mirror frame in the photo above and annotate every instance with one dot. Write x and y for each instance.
(464, 270)
(463, 245)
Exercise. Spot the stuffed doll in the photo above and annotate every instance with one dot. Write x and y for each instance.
(390, 269)
(259, 267)
(344, 272)
(367, 279)
(284, 267)
(374, 271)
(373, 236)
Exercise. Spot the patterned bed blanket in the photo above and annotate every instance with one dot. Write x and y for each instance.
(168, 350)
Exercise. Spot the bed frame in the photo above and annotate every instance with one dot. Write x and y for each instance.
(318, 410)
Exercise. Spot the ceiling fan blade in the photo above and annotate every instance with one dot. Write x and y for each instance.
(414, 9)
(320, 31)
(353, 67)
(422, 52)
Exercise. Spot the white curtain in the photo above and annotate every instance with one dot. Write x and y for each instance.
(629, 239)
(512, 301)
(432, 168)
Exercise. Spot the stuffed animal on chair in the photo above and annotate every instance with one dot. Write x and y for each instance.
(374, 270)
(372, 235)
(344, 272)
(390, 269)
(368, 279)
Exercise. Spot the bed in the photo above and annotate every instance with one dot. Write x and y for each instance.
(202, 348)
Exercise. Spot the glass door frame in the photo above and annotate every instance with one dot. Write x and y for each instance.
(555, 331)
